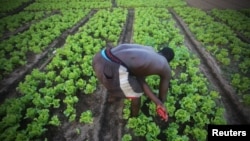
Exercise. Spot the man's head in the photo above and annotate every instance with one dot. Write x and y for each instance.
(168, 53)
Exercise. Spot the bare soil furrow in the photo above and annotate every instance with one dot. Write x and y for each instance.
(18, 30)
(18, 9)
(220, 4)
(242, 37)
(114, 4)
(75, 28)
(127, 32)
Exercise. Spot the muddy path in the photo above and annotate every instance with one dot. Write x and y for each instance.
(127, 32)
(75, 131)
(114, 4)
(18, 9)
(220, 4)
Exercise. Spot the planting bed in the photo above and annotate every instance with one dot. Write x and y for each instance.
(50, 91)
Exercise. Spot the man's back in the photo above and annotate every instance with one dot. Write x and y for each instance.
(141, 60)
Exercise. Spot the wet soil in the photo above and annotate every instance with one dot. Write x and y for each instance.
(18, 9)
(127, 32)
(114, 4)
(76, 131)
(220, 4)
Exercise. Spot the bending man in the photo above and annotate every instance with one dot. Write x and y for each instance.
(123, 70)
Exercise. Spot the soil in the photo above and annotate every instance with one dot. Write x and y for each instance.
(18, 9)
(108, 124)
(220, 4)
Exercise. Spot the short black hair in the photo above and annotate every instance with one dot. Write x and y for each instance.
(168, 53)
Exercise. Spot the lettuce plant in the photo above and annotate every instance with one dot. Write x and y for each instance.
(153, 131)
(182, 115)
(55, 121)
(126, 110)
(126, 137)
(139, 124)
(188, 104)
(172, 131)
(86, 117)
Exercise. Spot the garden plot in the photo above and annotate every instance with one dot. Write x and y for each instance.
(63, 100)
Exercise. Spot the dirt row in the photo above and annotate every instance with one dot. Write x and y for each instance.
(18, 9)
(220, 4)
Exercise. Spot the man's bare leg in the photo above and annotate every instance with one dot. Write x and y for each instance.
(135, 106)
(112, 97)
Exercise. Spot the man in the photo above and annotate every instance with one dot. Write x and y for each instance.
(123, 70)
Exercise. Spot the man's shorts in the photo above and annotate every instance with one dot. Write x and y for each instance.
(116, 78)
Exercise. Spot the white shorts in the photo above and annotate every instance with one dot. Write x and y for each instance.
(126, 83)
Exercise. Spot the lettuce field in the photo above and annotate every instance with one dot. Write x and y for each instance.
(49, 92)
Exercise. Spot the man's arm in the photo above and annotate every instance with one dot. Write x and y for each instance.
(164, 85)
(148, 91)
(160, 108)
(165, 76)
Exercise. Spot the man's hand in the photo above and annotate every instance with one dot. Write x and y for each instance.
(161, 111)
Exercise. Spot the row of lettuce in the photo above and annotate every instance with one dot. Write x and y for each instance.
(221, 40)
(10, 5)
(150, 3)
(241, 25)
(11, 23)
(37, 5)
(68, 4)
(14, 50)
